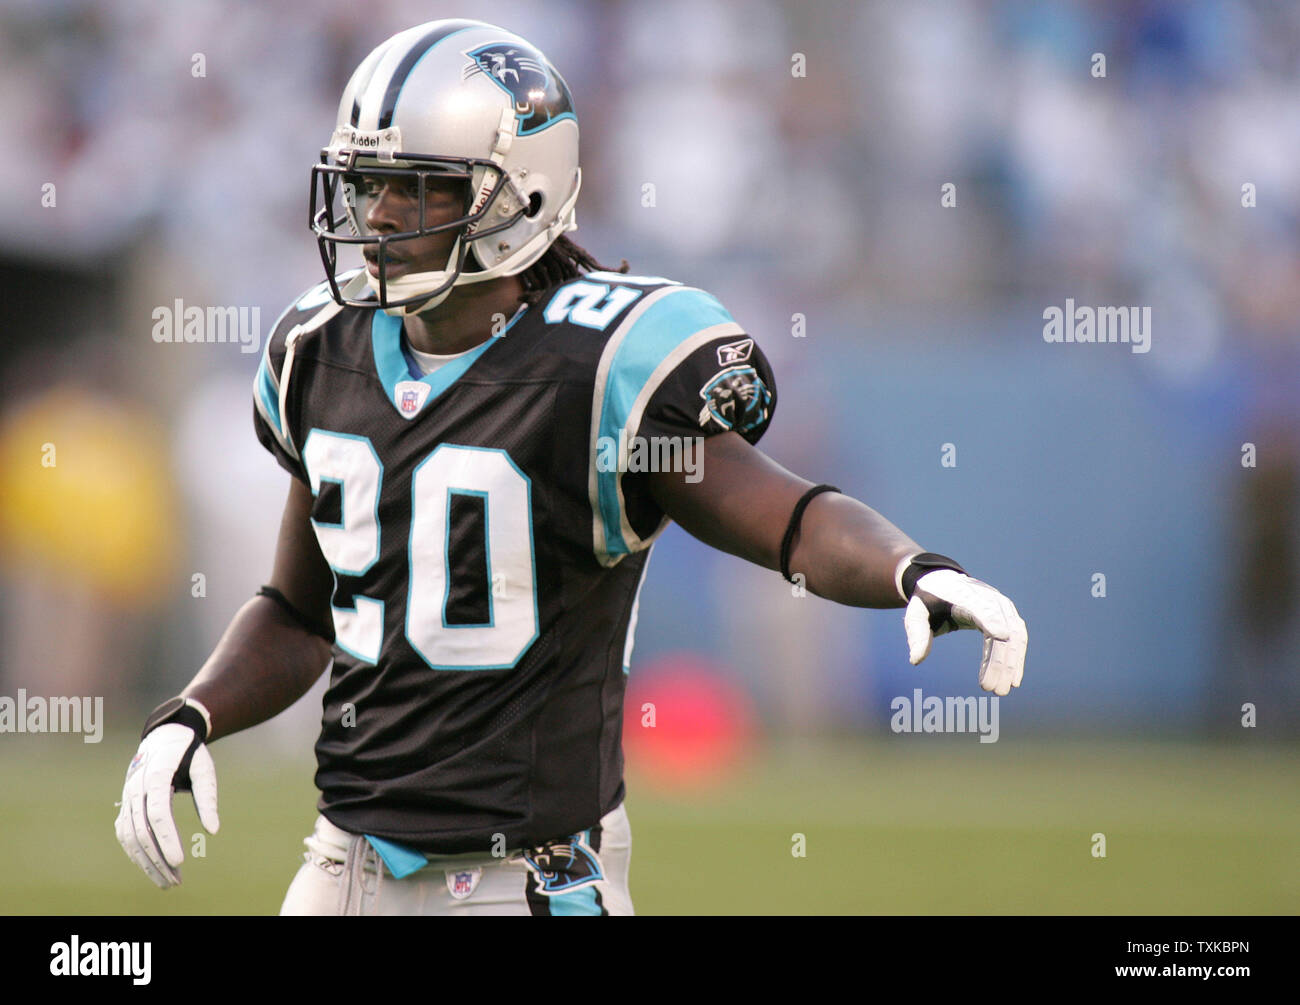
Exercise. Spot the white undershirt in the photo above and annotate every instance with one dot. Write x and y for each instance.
(429, 361)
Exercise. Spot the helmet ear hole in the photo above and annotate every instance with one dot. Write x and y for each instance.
(534, 205)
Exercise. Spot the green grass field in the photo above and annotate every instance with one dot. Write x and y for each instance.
(934, 826)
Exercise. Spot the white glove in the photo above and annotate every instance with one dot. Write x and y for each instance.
(946, 600)
(145, 825)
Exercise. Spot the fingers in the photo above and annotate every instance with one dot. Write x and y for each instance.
(916, 623)
(980, 606)
(1019, 646)
(126, 837)
(141, 844)
(203, 783)
(1003, 666)
(158, 814)
(148, 842)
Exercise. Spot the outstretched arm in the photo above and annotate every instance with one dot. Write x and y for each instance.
(846, 551)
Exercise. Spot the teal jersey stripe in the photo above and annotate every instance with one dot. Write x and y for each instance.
(656, 333)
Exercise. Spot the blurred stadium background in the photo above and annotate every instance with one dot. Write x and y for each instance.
(785, 195)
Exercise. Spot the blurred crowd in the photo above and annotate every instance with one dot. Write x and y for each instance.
(1120, 181)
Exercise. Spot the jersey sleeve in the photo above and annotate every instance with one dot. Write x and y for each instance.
(270, 419)
(680, 370)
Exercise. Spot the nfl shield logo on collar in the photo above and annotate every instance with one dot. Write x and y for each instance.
(461, 884)
(410, 396)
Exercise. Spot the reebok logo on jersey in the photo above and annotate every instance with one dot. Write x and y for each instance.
(735, 352)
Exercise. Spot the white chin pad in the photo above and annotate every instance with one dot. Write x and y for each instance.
(410, 286)
(404, 287)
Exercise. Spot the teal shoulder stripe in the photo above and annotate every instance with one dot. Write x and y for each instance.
(653, 336)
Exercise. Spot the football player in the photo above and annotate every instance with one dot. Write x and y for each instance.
(468, 523)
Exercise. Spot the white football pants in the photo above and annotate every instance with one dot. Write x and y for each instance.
(343, 874)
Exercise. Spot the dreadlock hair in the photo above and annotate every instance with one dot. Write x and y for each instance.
(563, 260)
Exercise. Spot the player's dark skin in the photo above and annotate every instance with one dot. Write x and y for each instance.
(265, 660)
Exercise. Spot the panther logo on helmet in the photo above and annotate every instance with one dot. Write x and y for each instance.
(540, 96)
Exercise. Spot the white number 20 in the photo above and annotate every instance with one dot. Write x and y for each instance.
(351, 547)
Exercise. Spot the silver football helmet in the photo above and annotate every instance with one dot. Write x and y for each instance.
(450, 99)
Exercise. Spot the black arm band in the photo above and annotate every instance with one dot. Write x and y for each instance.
(310, 624)
(796, 518)
(925, 562)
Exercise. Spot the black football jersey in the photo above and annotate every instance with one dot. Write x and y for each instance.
(488, 526)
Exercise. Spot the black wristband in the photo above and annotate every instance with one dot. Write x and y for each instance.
(792, 528)
(310, 624)
(175, 710)
(925, 562)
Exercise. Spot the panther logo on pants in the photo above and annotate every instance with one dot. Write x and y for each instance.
(562, 866)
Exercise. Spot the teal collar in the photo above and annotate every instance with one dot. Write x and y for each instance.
(390, 363)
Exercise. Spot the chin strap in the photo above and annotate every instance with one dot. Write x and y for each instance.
(399, 289)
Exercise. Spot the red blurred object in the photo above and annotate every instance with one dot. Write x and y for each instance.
(685, 723)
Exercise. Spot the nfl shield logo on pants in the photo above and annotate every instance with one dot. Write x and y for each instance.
(461, 884)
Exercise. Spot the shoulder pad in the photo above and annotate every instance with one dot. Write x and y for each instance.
(311, 310)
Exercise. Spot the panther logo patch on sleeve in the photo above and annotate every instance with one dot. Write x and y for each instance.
(735, 398)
